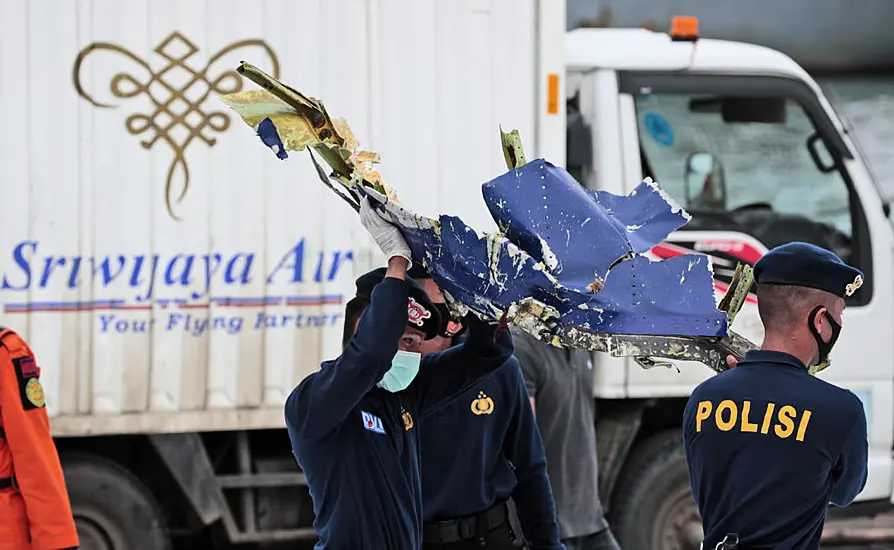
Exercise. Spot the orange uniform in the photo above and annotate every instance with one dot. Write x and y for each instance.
(35, 513)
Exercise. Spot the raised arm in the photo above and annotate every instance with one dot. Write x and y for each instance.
(533, 494)
(449, 373)
(850, 471)
(323, 400)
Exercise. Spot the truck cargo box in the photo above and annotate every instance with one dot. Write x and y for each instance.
(169, 271)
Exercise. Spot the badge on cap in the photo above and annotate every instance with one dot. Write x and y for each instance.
(417, 314)
(452, 328)
(851, 288)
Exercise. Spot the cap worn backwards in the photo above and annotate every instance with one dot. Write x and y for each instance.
(449, 327)
(421, 311)
(803, 264)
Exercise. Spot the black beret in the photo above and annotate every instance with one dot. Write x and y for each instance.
(803, 264)
(421, 311)
(416, 271)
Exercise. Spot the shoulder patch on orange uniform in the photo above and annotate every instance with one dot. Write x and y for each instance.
(30, 389)
(27, 371)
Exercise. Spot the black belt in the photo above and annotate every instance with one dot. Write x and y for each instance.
(465, 528)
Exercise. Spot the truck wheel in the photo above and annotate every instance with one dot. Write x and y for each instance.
(112, 509)
(652, 505)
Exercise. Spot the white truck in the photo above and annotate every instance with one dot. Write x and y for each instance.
(176, 281)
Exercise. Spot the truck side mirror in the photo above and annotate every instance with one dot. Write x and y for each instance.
(705, 186)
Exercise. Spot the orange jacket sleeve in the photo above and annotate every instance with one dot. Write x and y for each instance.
(36, 466)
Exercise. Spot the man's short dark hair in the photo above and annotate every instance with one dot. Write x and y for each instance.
(783, 307)
(353, 309)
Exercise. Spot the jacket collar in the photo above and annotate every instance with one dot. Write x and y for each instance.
(769, 356)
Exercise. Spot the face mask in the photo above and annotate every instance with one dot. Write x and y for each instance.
(824, 347)
(404, 368)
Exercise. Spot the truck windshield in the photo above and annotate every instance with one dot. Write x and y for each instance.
(757, 177)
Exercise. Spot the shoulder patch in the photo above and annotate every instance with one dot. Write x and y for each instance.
(28, 377)
(34, 393)
(372, 422)
(29, 367)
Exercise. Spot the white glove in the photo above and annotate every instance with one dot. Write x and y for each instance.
(386, 234)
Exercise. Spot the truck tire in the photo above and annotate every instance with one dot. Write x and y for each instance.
(113, 510)
(652, 504)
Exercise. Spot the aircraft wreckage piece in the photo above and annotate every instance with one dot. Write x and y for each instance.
(567, 265)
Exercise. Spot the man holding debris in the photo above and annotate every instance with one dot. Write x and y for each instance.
(352, 424)
(467, 481)
(560, 384)
(768, 445)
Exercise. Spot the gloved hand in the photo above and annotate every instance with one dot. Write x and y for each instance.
(386, 234)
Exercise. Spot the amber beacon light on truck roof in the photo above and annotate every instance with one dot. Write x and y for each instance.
(684, 28)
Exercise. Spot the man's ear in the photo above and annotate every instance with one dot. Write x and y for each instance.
(819, 318)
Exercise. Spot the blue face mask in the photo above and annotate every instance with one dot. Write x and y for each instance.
(404, 368)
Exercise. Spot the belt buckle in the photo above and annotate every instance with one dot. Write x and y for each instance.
(468, 528)
(449, 531)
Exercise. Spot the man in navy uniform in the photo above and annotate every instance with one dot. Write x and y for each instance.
(352, 424)
(769, 446)
(478, 452)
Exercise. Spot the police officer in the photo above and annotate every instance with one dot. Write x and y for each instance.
(768, 445)
(467, 481)
(35, 513)
(352, 424)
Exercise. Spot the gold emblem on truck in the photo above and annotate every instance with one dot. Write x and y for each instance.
(177, 92)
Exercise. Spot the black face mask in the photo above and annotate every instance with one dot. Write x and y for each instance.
(824, 347)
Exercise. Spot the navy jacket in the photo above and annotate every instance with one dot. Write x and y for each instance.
(498, 454)
(769, 447)
(357, 443)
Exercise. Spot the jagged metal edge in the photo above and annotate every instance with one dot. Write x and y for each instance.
(708, 351)
(712, 352)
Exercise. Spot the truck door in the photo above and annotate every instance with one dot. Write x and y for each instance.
(593, 155)
(758, 161)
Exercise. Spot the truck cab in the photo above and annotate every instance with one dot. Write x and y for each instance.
(745, 141)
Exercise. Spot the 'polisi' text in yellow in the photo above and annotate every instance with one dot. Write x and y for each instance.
(729, 415)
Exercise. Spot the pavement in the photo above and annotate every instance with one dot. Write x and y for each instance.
(880, 526)
(877, 531)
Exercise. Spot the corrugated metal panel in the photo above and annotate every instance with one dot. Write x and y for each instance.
(130, 310)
